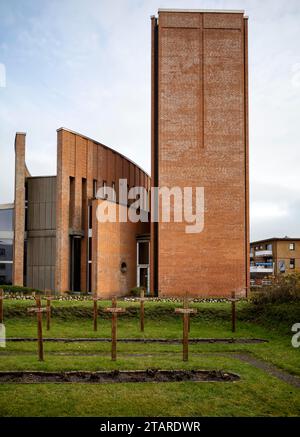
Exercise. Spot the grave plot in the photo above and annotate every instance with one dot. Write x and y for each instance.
(116, 376)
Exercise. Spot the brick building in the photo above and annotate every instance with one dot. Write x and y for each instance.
(58, 242)
(199, 139)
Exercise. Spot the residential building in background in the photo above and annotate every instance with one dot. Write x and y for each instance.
(274, 256)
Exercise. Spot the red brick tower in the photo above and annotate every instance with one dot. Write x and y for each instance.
(200, 138)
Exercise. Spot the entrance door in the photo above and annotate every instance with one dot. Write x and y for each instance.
(143, 270)
(143, 277)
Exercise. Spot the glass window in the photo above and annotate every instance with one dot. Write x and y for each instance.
(6, 219)
(90, 249)
(94, 188)
(5, 273)
(113, 185)
(90, 212)
(292, 263)
(292, 246)
(6, 250)
(143, 253)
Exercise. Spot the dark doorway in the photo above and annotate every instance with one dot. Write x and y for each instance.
(75, 264)
(143, 279)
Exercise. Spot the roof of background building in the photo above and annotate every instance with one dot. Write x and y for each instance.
(276, 239)
(7, 205)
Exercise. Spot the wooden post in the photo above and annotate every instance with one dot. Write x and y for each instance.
(95, 312)
(48, 308)
(39, 310)
(186, 305)
(142, 310)
(1, 305)
(185, 311)
(233, 311)
(114, 331)
(114, 310)
(40, 329)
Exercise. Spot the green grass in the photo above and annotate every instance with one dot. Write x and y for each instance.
(257, 393)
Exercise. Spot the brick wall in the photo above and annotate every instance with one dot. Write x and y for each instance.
(19, 209)
(202, 140)
(113, 244)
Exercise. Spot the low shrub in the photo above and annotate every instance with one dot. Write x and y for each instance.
(285, 288)
(136, 291)
(17, 289)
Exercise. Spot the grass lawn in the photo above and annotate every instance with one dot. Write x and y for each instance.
(257, 393)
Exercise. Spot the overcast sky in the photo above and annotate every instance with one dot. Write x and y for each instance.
(85, 65)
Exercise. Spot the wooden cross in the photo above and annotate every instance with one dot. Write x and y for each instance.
(114, 313)
(233, 300)
(1, 305)
(142, 309)
(39, 310)
(95, 312)
(185, 311)
(48, 308)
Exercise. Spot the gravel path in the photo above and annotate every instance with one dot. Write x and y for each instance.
(267, 367)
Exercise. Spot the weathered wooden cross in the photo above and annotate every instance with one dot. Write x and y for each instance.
(114, 310)
(48, 309)
(233, 300)
(95, 312)
(185, 311)
(39, 310)
(1, 305)
(142, 309)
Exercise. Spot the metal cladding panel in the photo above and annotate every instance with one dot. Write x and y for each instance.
(41, 203)
(40, 269)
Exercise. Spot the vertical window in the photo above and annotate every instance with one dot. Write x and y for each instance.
(143, 252)
(114, 196)
(75, 260)
(6, 261)
(72, 201)
(292, 263)
(90, 213)
(94, 188)
(104, 190)
(6, 219)
(292, 246)
(83, 203)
